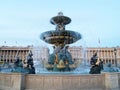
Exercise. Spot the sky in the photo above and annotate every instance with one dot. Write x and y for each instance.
(22, 21)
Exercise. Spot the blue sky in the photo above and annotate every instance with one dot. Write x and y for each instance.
(22, 21)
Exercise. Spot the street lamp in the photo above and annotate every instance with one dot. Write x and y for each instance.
(115, 52)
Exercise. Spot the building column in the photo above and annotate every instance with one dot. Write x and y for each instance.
(88, 56)
(10, 56)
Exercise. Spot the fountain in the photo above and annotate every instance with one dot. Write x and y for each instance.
(60, 59)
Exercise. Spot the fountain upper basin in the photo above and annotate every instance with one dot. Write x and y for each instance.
(60, 37)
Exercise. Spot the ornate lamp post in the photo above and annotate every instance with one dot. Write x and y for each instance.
(115, 52)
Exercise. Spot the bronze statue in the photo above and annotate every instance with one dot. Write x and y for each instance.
(30, 64)
(96, 64)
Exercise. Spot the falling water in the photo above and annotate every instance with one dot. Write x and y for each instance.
(84, 66)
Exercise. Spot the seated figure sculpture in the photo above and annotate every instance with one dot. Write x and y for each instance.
(96, 65)
(20, 67)
(18, 63)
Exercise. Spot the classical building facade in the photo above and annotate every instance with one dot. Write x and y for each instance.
(9, 54)
(108, 55)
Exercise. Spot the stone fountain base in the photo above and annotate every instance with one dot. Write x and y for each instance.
(17, 81)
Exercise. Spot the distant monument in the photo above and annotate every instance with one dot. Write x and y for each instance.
(60, 59)
(96, 65)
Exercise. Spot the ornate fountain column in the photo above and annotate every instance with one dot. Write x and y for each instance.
(60, 59)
